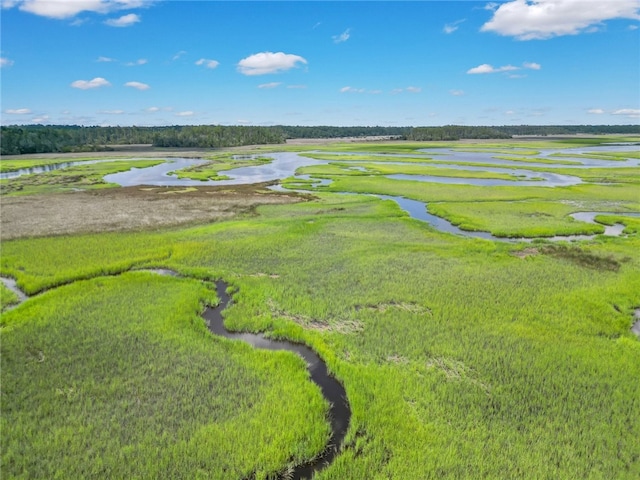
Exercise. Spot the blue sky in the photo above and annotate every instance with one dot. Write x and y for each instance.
(141, 62)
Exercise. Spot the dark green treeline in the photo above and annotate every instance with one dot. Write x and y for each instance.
(16, 140)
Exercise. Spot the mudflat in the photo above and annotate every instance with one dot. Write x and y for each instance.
(131, 208)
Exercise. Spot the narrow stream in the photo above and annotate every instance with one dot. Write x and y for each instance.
(332, 390)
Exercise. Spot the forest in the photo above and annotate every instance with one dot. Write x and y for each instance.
(24, 139)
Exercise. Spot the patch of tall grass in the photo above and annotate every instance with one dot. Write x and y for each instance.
(119, 378)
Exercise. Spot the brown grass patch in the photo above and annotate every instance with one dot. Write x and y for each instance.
(130, 208)
(527, 252)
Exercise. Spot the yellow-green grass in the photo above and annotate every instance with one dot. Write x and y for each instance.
(372, 157)
(389, 169)
(632, 224)
(119, 378)
(535, 160)
(88, 176)
(515, 219)
(211, 170)
(7, 297)
(601, 155)
(618, 194)
(460, 359)
(17, 164)
(600, 175)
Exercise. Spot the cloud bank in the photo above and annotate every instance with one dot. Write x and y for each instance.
(61, 9)
(543, 19)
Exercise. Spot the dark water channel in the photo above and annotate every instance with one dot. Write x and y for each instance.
(332, 390)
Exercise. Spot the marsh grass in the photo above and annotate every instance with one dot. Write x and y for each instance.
(211, 170)
(7, 297)
(119, 378)
(89, 176)
(460, 359)
(11, 165)
(583, 258)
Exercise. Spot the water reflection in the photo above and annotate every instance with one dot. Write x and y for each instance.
(47, 168)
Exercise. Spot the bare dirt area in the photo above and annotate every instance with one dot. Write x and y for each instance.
(131, 208)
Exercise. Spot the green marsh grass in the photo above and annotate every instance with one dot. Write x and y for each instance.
(119, 377)
(336, 168)
(17, 164)
(7, 297)
(87, 176)
(462, 358)
(211, 170)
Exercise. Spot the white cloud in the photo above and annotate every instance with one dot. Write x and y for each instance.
(112, 112)
(105, 59)
(633, 27)
(87, 84)
(124, 21)
(452, 27)
(208, 63)
(137, 85)
(5, 62)
(178, 55)
(396, 91)
(596, 111)
(532, 65)
(40, 119)
(187, 113)
(456, 93)
(343, 37)
(542, 19)
(140, 61)
(62, 9)
(152, 109)
(270, 85)
(352, 90)
(299, 87)
(486, 68)
(627, 112)
(269, 62)
(18, 111)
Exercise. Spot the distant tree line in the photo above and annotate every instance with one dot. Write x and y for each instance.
(15, 140)
(454, 132)
(326, 131)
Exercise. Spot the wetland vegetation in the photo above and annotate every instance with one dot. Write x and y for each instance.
(460, 357)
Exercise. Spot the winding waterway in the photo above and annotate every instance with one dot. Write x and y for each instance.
(285, 165)
(333, 391)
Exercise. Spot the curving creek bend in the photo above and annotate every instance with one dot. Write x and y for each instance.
(333, 391)
(285, 164)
